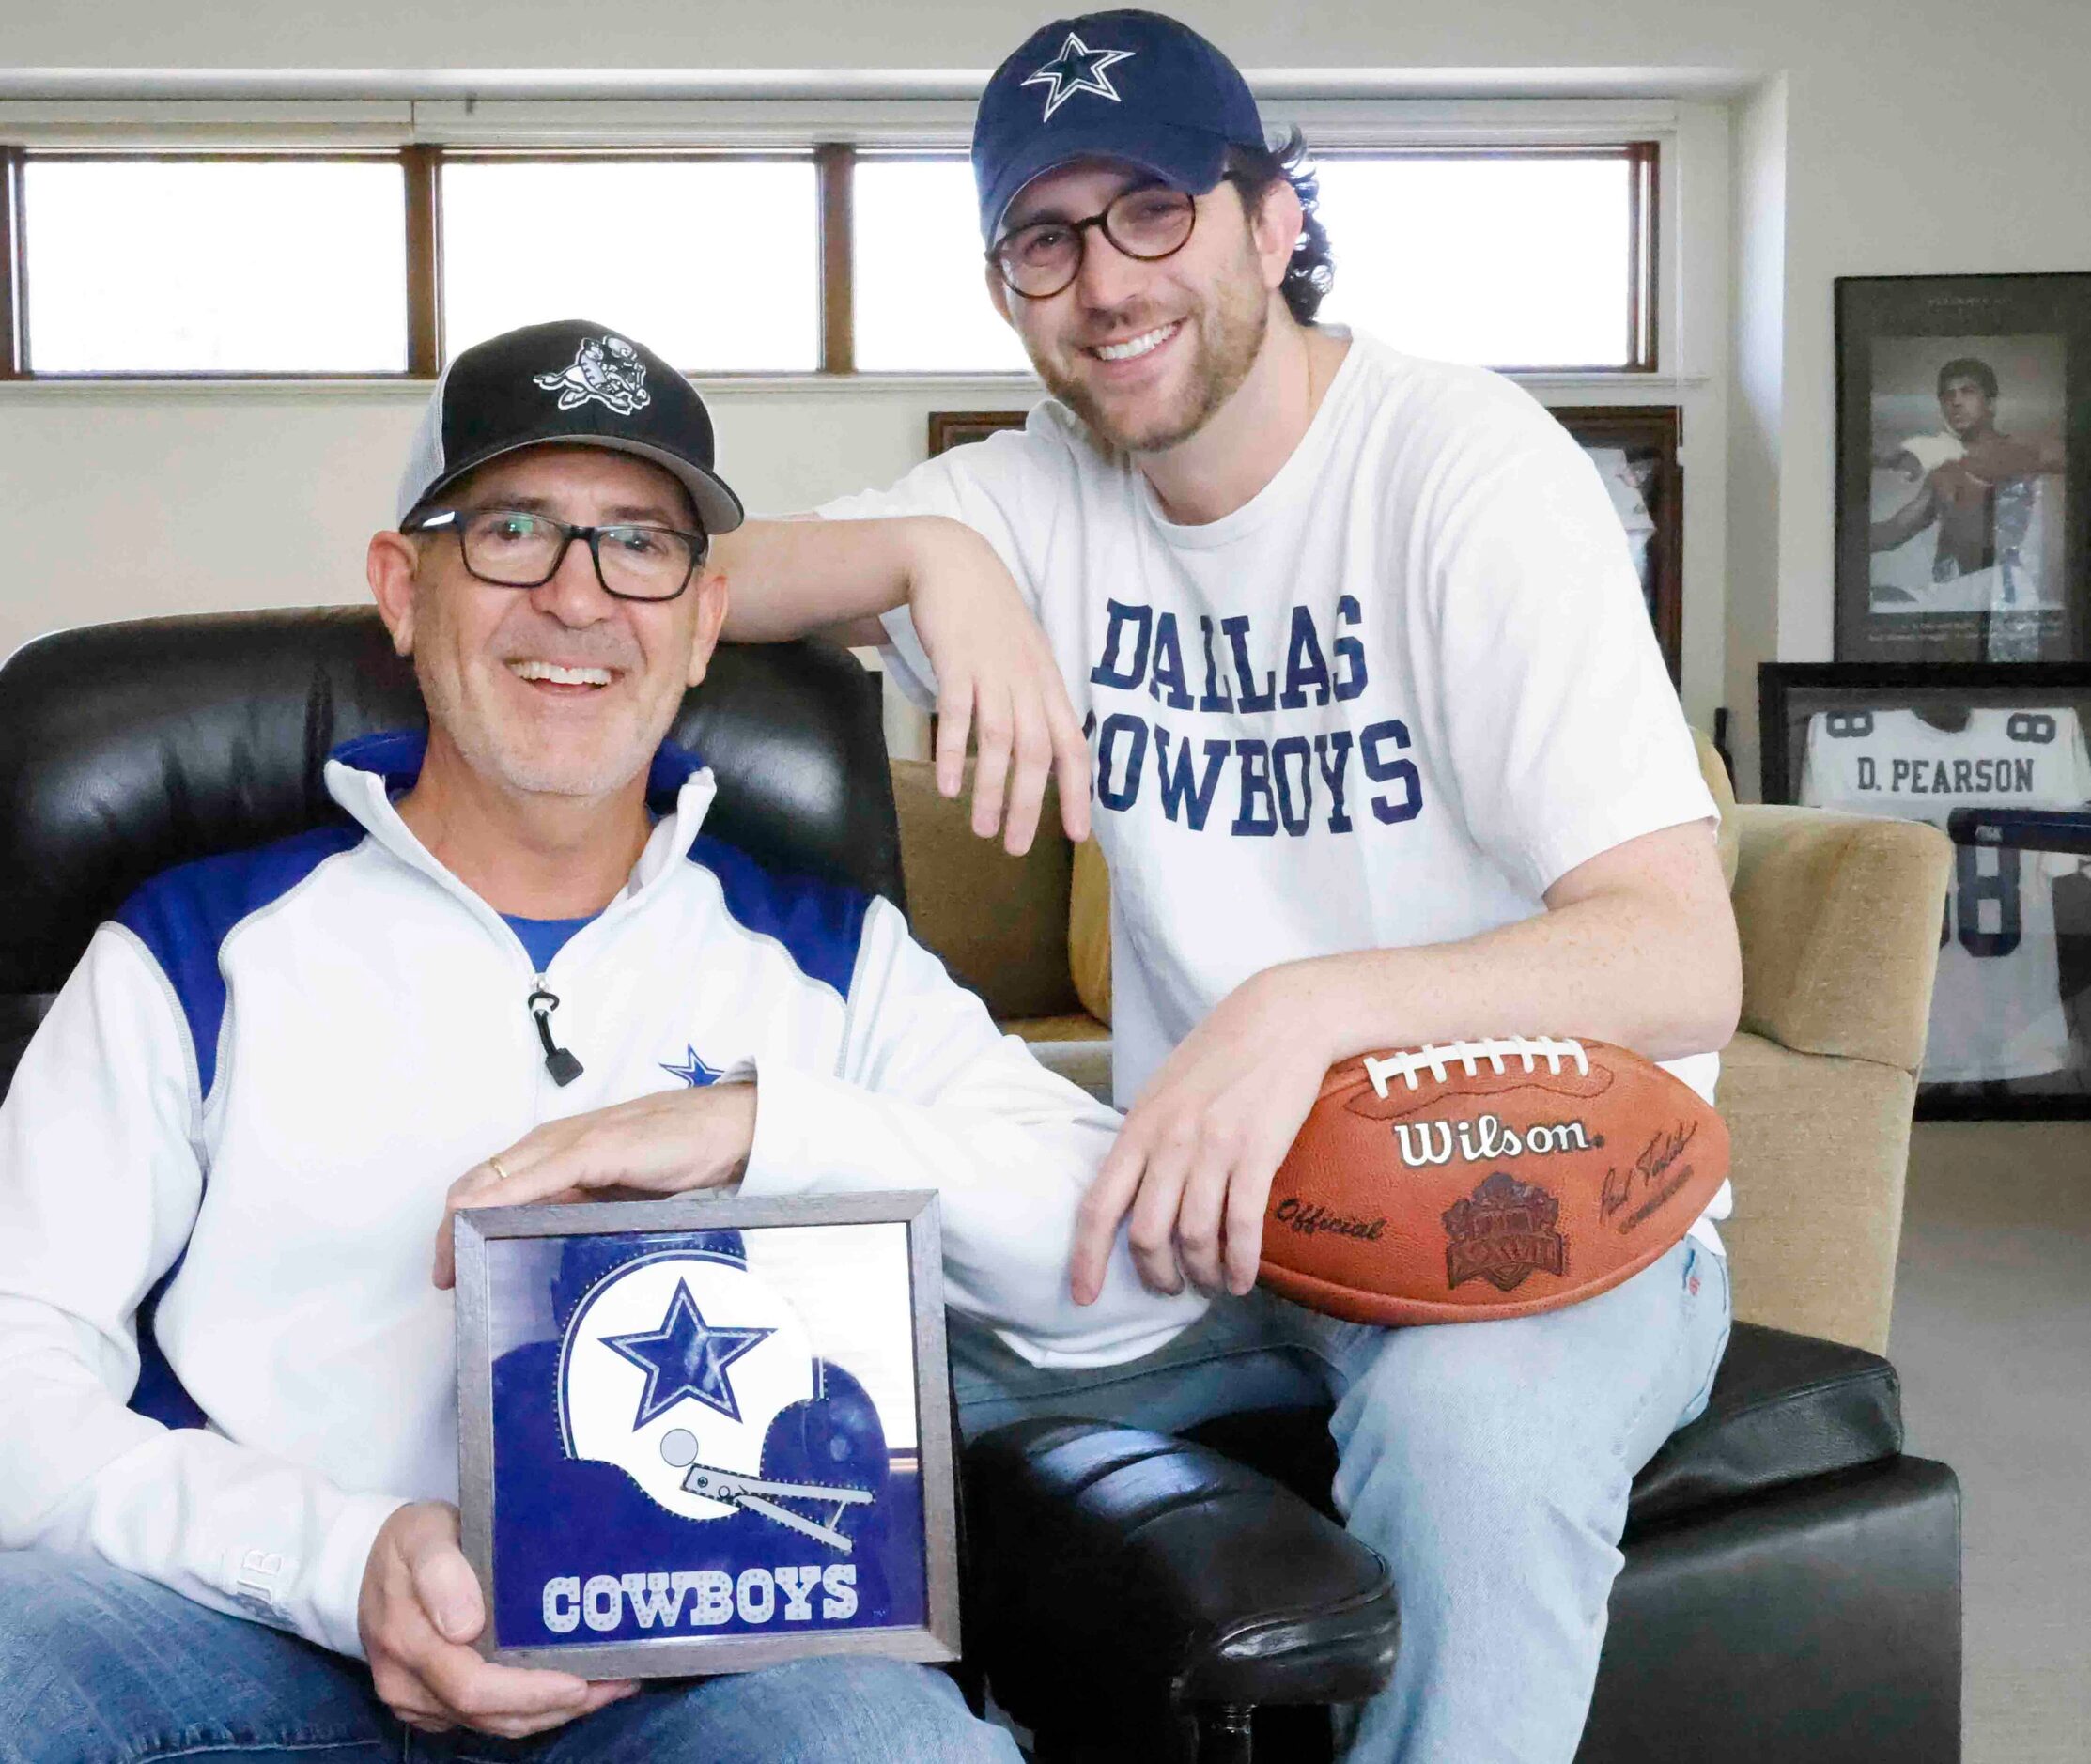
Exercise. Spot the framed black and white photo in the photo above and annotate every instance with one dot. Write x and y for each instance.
(706, 1435)
(1635, 448)
(1995, 756)
(1963, 508)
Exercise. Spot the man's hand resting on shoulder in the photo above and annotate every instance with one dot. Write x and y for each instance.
(997, 677)
(666, 1143)
(419, 1613)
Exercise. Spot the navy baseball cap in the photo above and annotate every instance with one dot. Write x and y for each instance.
(1121, 85)
(569, 380)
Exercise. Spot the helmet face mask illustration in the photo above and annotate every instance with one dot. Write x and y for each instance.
(677, 1359)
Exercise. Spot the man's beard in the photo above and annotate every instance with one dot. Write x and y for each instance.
(1226, 338)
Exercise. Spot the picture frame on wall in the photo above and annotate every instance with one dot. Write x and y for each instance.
(1963, 468)
(706, 1434)
(1636, 449)
(955, 428)
(1995, 755)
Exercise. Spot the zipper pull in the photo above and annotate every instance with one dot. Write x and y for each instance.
(563, 1066)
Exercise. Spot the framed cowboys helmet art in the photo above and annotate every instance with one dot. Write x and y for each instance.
(706, 1435)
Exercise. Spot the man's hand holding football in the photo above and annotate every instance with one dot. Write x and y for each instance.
(1194, 1161)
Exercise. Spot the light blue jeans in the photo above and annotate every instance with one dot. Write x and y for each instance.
(1489, 1463)
(100, 1666)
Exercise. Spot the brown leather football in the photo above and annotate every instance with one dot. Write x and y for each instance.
(1487, 1179)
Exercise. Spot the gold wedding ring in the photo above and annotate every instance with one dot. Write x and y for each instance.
(494, 1164)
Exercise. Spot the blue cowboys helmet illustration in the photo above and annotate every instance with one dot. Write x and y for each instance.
(606, 369)
(698, 1380)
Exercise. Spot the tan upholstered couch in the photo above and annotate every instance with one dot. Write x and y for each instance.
(1839, 924)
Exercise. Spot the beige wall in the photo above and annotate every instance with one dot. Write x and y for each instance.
(1876, 137)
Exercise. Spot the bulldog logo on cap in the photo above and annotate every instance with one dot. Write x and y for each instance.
(606, 369)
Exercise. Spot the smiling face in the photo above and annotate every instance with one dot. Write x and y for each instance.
(1144, 353)
(562, 690)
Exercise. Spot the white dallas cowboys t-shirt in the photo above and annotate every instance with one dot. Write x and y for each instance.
(1996, 1006)
(1387, 702)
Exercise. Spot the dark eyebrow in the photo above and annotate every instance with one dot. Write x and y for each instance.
(1045, 217)
(1055, 217)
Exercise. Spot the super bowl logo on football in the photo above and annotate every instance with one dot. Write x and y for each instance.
(1487, 1179)
(707, 1439)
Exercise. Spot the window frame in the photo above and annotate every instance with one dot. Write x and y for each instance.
(15, 344)
(1643, 161)
(833, 134)
(829, 160)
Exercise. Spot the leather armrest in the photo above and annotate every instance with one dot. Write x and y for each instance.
(1154, 1573)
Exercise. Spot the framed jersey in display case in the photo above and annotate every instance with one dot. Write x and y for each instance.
(1997, 758)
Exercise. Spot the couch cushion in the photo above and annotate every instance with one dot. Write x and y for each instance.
(1089, 930)
(1784, 1407)
(1807, 1252)
(1714, 770)
(1000, 923)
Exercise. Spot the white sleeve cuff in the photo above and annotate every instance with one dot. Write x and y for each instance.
(337, 1575)
(799, 1119)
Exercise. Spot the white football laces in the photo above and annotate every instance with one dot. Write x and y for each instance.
(1470, 1055)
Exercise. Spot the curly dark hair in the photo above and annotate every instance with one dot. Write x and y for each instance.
(1254, 172)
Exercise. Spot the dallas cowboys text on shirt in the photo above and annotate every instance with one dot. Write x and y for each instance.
(1254, 787)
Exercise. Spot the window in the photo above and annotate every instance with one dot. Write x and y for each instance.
(1531, 259)
(921, 301)
(716, 263)
(791, 258)
(214, 266)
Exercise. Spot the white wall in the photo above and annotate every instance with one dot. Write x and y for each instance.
(1902, 136)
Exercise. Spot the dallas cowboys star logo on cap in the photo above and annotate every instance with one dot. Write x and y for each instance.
(1077, 67)
(686, 1358)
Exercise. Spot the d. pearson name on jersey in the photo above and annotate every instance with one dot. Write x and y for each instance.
(2005, 775)
(702, 1598)
(1289, 784)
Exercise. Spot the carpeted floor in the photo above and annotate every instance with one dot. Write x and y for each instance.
(1992, 1336)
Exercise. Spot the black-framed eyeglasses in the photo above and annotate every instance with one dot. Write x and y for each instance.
(1149, 222)
(515, 548)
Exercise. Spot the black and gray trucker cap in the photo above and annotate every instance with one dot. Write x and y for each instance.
(573, 381)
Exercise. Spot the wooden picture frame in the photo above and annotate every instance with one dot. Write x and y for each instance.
(1963, 468)
(1636, 449)
(786, 1488)
(955, 428)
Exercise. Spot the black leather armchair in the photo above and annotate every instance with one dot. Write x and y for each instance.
(1791, 1589)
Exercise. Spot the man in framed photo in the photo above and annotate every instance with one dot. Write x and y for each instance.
(1980, 488)
(1384, 754)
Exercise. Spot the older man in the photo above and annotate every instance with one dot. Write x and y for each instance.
(516, 955)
